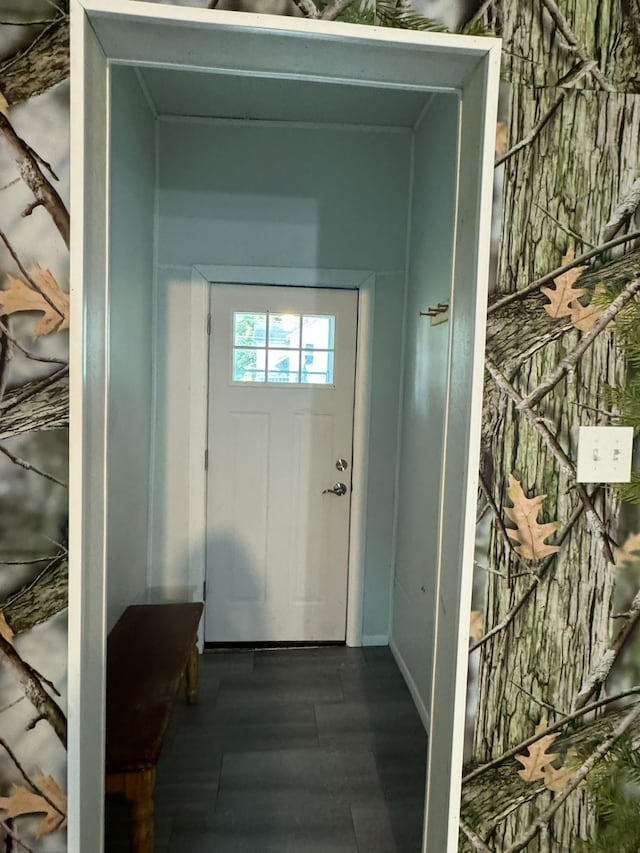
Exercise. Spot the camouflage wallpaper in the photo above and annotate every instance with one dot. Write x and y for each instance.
(553, 720)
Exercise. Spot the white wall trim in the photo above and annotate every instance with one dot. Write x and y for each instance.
(413, 688)
(145, 91)
(403, 359)
(301, 276)
(471, 47)
(423, 114)
(168, 118)
(151, 539)
(88, 283)
(477, 233)
(375, 639)
(364, 282)
(198, 400)
(360, 468)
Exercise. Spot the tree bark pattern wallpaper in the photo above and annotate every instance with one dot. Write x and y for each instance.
(553, 719)
(34, 268)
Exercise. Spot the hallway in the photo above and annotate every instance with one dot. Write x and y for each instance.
(316, 750)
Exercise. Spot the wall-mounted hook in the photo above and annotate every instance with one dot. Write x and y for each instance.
(439, 314)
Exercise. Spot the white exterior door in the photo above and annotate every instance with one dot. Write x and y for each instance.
(281, 394)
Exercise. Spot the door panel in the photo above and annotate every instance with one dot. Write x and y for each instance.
(280, 416)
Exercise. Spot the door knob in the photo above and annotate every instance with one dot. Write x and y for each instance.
(338, 489)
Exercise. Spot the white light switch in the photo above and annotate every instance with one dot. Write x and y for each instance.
(604, 454)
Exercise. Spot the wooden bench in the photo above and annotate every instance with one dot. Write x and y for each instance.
(148, 650)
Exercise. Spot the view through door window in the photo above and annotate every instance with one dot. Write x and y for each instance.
(294, 349)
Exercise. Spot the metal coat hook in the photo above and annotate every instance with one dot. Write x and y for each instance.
(440, 309)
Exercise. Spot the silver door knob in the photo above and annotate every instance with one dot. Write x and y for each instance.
(338, 489)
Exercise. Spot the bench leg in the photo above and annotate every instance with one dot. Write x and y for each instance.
(138, 789)
(191, 676)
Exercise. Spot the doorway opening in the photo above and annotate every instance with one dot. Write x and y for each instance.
(359, 285)
(244, 144)
(280, 439)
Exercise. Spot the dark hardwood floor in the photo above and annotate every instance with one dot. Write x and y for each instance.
(315, 750)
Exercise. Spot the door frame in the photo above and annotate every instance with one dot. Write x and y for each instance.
(104, 32)
(363, 281)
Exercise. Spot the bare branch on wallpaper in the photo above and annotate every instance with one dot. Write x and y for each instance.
(575, 46)
(494, 791)
(538, 701)
(534, 132)
(569, 362)
(39, 404)
(38, 789)
(499, 521)
(538, 576)
(9, 184)
(549, 636)
(34, 691)
(623, 212)
(567, 230)
(22, 463)
(7, 344)
(14, 837)
(554, 727)
(308, 8)
(41, 65)
(333, 9)
(575, 262)
(603, 666)
(329, 13)
(42, 23)
(32, 174)
(476, 842)
(569, 81)
(478, 14)
(579, 776)
(594, 520)
(43, 597)
(46, 359)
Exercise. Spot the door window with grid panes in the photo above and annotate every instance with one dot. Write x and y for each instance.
(294, 349)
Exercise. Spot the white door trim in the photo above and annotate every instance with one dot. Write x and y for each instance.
(364, 282)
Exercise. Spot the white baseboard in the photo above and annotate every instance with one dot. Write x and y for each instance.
(375, 640)
(415, 695)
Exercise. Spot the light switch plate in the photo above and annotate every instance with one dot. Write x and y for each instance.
(604, 454)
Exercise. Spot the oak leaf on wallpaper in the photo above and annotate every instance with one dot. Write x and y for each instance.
(5, 629)
(556, 780)
(44, 295)
(535, 764)
(501, 138)
(538, 764)
(563, 295)
(50, 801)
(564, 298)
(530, 534)
(476, 624)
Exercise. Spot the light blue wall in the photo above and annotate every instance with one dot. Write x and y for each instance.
(132, 182)
(424, 393)
(276, 194)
